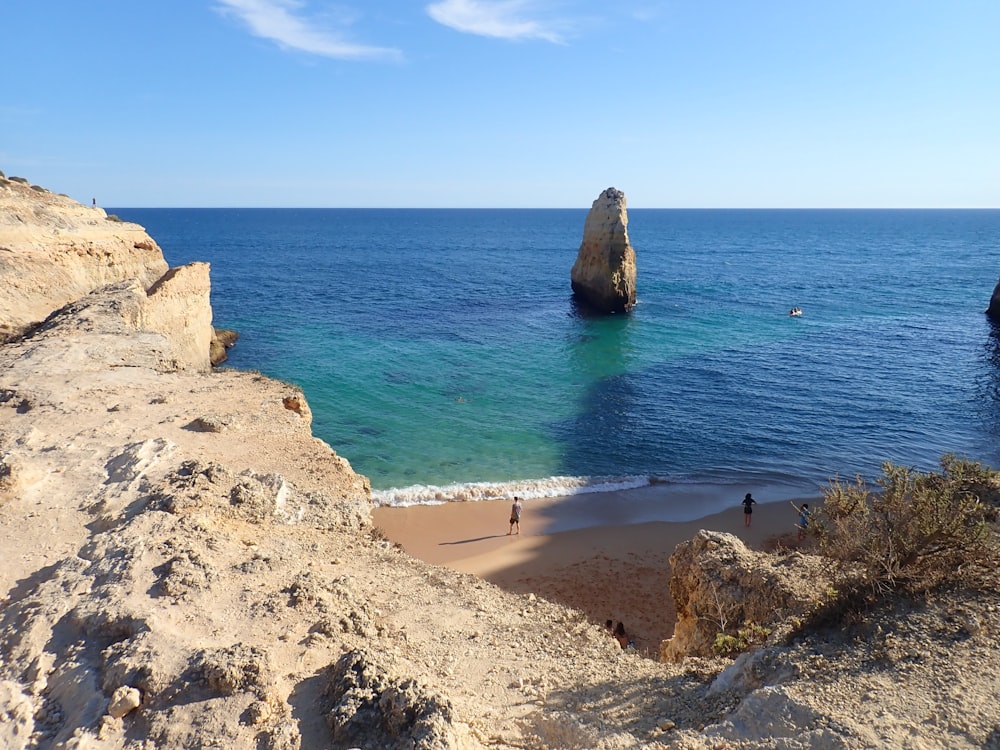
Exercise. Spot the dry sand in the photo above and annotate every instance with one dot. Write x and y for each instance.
(596, 552)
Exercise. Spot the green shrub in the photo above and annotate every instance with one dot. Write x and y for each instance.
(747, 637)
(22, 180)
(113, 217)
(915, 530)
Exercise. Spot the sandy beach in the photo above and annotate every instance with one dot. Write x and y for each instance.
(605, 554)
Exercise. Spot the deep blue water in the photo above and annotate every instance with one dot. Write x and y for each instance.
(440, 349)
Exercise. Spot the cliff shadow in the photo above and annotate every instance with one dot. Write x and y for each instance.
(602, 430)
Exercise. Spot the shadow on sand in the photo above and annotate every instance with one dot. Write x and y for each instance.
(470, 541)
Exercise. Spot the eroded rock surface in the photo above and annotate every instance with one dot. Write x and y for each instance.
(720, 586)
(604, 274)
(370, 707)
(54, 250)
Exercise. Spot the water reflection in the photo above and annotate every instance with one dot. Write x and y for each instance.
(580, 309)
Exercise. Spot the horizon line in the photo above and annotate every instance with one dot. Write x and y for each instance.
(566, 208)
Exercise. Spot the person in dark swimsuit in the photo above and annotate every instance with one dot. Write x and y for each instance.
(748, 503)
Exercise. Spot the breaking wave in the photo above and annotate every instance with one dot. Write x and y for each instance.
(529, 489)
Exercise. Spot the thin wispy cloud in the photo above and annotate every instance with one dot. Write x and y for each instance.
(283, 22)
(502, 19)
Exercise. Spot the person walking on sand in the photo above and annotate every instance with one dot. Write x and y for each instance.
(748, 503)
(515, 516)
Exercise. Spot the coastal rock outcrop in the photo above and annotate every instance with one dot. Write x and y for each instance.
(222, 341)
(720, 586)
(994, 309)
(54, 250)
(178, 306)
(604, 274)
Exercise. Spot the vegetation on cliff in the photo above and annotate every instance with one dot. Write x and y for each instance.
(911, 531)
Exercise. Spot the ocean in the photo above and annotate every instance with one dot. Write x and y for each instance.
(443, 355)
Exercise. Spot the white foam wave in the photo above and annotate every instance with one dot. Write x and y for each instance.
(421, 494)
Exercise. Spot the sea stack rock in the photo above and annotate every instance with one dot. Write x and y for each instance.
(603, 276)
(994, 309)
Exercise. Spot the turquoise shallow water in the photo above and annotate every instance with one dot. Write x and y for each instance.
(442, 353)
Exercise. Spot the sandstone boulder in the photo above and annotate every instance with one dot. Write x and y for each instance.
(123, 700)
(603, 276)
(720, 586)
(222, 341)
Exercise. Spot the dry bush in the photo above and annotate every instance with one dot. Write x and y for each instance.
(912, 531)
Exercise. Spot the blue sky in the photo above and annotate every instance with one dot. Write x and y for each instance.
(504, 103)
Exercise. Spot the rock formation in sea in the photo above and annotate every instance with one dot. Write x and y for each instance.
(222, 341)
(994, 309)
(603, 276)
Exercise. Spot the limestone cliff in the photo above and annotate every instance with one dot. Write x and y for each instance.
(54, 250)
(178, 306)
(603, 276)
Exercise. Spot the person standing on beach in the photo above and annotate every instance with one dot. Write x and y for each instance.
(748, 503)
(803, 524)
(515, 516)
